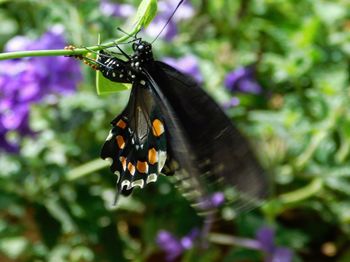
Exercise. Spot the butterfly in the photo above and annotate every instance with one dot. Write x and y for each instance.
(171, 126)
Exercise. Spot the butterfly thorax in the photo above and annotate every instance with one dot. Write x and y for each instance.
(133, 69)
(142, 55)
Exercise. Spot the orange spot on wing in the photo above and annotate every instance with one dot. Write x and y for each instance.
(123, 161)
(131, 168)
(142, 167)
(121, 124)
(158, 127)
(152, 156)
(120, 142)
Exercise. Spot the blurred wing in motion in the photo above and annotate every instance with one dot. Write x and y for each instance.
(214, 153)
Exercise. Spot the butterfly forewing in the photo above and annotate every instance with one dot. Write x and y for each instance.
(221, 155)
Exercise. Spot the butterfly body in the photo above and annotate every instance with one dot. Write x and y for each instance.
(129, 71)
(170, 121)
(137, 142)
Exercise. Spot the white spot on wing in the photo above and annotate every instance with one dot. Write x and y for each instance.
(138, 183)
(126, 183)
(109, 159)
(161, 161)
(110, 135)
(151, 178)
(143, 82)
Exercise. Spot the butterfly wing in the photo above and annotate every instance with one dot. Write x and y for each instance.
(219, 154)
(136, 144)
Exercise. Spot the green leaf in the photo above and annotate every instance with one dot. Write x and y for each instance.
(145, 14)
(105, 86)
(339, 184)
(13, 247)
(146, 11)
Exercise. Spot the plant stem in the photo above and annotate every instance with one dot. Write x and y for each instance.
(300, 194)
(86, 169)
(229, 240)
(62, 52)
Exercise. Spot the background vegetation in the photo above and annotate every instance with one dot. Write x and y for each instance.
(280, 68)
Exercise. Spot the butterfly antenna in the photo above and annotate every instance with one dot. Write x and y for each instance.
(124, 32)
(133, 36)
(168, 21)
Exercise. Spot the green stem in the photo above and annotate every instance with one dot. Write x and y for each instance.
(303, 193)
(62, 52)
(223, 239)
(284, 201)
(86, 169)
(321, 134)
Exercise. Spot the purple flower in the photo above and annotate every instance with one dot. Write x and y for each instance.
(187, 64)
(174, 247)
(27, 81)
(212, 201)
(109, 8)
(265, 236)
(234, 101)
(217, 199)
(243, 80)
(157, 24)
(165, 10)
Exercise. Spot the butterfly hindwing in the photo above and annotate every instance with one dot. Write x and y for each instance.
(137, 142)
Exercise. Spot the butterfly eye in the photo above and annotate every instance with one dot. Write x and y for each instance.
(140, 47)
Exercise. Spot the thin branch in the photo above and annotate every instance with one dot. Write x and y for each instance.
(62, 52)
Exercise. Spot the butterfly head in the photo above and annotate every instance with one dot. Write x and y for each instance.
(143, 50)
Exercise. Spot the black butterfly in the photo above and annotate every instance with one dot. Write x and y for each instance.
(170, 125)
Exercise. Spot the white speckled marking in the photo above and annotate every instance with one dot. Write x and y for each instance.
(161, 161)
(152, 178)
(126, 183)
(109, 159)
(138, 183)
(110, 135)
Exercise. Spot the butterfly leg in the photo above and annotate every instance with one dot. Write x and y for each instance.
(88, 61)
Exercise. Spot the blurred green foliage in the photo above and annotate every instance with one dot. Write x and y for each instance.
(300, 125)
